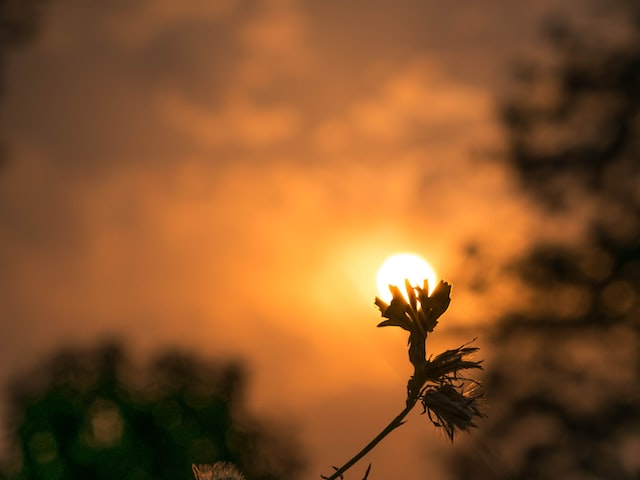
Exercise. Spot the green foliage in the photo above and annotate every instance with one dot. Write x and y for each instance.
(91, 415)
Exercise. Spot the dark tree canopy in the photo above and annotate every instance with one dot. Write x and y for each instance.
(563, 385)
(90, 415)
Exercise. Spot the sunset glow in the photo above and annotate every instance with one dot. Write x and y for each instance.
(238, 180)
(403, 266)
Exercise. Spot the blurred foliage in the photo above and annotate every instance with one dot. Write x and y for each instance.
(92, 415)
(563, 383)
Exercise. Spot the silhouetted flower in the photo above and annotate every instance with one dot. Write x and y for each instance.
(421, 312)
(452, 408)
(217, 471)
(452, 401)
(418, 316)
(445, 366)
(449, 405)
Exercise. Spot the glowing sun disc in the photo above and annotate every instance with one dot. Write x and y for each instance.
(403, 266)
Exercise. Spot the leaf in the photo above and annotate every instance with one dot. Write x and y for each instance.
(403, 323)
(396, 312)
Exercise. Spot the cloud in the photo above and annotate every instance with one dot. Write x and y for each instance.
(239, 124)
(416, 104)
(133, 25)
(229, 177)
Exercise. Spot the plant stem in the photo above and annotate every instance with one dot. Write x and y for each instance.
(395, 423)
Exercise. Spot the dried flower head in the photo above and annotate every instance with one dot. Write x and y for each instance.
(447, 365)
(452, 408)
(217, 471)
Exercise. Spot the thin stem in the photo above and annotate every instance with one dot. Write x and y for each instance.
(395, 423)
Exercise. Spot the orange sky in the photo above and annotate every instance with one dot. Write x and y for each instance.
(228, 176)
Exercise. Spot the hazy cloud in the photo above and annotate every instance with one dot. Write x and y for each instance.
(230, 175)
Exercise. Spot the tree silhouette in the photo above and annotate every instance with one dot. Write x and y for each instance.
(563, 385)
(91, 415)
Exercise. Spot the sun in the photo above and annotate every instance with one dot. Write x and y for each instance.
(403, 266)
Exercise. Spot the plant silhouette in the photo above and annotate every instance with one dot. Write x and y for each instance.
(90, 414)
(451, 400)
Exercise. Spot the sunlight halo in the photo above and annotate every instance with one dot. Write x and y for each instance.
(403, 266)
